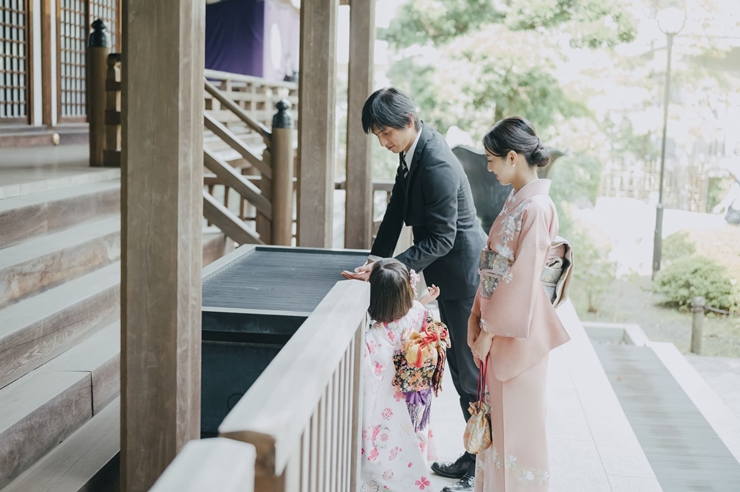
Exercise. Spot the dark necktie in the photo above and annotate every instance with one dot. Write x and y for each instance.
(404, 167)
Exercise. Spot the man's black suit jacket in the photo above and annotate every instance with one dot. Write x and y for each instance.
(435, 200)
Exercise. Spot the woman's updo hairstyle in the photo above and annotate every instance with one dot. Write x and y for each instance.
(517, 134)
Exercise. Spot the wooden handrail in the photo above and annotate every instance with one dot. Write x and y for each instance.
(279, 412)
(230, 224)
(231, 178)
(236, 143)
(238, 111)
(379, 185)
(219, 75)
(210, 464)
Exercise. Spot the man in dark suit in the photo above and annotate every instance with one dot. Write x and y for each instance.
(432, 195)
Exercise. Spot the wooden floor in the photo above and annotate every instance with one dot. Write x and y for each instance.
(685, 452)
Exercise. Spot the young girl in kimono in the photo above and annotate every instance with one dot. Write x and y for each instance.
(403, 363)
(513, 325)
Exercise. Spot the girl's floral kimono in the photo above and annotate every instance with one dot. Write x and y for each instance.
(515, 308)
(402, 366)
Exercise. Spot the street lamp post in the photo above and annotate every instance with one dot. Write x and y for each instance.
(670, 22)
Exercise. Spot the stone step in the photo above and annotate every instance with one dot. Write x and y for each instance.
(83, 381)
(40, 410)
(49, 260)
(35, 330)
(84, 461)
(88, 450)
(100, 355)
(40, 213)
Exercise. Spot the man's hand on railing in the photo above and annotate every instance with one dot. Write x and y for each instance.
(360, 273)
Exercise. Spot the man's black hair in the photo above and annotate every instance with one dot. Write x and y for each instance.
(388, 108)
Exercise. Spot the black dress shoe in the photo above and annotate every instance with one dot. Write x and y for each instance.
(466, 484)
(458, 469)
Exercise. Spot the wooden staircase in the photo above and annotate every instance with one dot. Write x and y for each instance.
(60, 337)
(59, 334)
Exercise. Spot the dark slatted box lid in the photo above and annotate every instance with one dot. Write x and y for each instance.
(277, 279)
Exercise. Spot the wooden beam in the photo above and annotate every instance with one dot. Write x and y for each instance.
(162, 214)
(229, 223)
(316, 122)
(358, 215)
(235, 143)
(232, 179)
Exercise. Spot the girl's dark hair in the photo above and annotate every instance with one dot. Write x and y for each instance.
(517, 134)
(388, 108)
(391, 294)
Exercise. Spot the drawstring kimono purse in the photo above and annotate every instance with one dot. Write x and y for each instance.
(477, 436)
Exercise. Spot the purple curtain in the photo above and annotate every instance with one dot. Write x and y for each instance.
(281, 40)
(235, 32)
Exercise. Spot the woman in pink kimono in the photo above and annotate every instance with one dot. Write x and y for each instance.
(513, 324)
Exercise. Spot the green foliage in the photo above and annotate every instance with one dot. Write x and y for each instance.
(437, 21)
(593, 272)
(575, 178)
(693, 276)
(592, 23)
(677, 245)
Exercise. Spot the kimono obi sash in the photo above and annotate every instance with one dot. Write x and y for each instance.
(555, 278)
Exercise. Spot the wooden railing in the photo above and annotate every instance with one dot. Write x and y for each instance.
(236, 109)
(303, 414)
(255, 96)
(210, 464)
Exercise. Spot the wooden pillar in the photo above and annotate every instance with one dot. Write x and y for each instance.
(46, 62)
(282, 175)
(98, 48)
(316, 122)
(162, 178)
(358, 222)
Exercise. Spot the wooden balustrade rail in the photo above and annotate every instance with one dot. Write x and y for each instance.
(112, 150)
(238, 111)
(272, 198)
(303, 414)
(210, 464)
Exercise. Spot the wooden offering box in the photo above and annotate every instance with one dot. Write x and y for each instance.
(254, 300)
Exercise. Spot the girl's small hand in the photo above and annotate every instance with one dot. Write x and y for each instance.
(477, 361)
(431, 295)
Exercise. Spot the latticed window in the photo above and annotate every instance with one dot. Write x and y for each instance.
(75, 19)
(14, 62)
(73, 33)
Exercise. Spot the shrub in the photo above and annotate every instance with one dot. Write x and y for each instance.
(692, 276)
(677, 245)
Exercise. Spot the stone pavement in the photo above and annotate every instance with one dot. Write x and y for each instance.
(592, 446)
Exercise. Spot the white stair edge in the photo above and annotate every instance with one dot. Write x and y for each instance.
(70, 237)
(34, 199)
(600, 405)
(73, 454)
(34, 309)
(711, 406)
(93, 175)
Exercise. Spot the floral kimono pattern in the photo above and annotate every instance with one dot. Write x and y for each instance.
(396, 437)
(515, 308)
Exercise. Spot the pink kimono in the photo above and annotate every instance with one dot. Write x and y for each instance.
(515, 308)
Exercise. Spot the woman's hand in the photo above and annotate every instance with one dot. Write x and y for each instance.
(482, 346)
(473, 329)
(431, 294)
